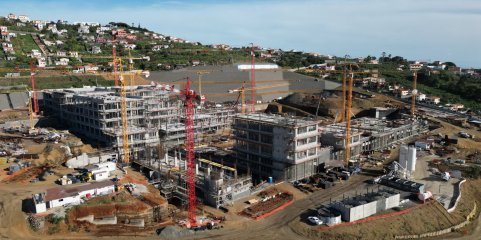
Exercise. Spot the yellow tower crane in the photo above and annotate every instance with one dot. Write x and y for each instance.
(123, 114)
(242, 90)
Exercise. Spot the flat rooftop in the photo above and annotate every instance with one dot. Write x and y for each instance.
(278, 120)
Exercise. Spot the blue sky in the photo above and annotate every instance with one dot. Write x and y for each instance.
(417, 29)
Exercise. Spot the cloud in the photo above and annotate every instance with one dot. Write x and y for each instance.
(417, 29)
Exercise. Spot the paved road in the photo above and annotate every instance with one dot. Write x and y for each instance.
(279, 225)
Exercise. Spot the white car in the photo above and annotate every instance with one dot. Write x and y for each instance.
(314, 220)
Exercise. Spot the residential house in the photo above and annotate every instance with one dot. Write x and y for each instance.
(455, 106)
(101, 40)
(73, 54)
(41, 62)
(5, 36)
(48, 43)
(3, 29)
(39, 26)
(11, 16)
(159, 47)
(119, 33)
(35, 53)
(456, 70)
(433, 100)
(195, 62)
(23, 18)
(130, 46)
(131, 37)
(21, 24)
(58, 42)
(96, 50)
(84, 29)
(70, 195)
(402, 92)
(220, 46)
(61, 54)
(373, 61)
(62, 62)
(420, 97)
(415, 66)
(11, 58)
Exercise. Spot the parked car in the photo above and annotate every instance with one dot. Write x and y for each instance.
(314, 220)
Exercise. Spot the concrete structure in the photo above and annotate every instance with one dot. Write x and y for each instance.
(72, 195)
(94, 113)
(285, 148)
(368, 134)
(272, 83)
(93, 158)
(210, 120)
(362, 206)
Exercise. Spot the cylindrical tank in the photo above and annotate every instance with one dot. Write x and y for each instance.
(425, 196)
(411, 159)
(403, 153)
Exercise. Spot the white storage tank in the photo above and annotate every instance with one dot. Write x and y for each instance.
(411, 159)
(403, 153)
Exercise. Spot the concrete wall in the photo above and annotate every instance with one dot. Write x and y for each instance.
(63, 201)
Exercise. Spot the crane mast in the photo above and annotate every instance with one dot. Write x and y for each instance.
(253, 78)
(34, 93)
(114, 57)
(414, 94)
(189, 149)
(123, 115)
(347, 153)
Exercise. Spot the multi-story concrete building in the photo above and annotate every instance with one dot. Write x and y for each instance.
(95, 113)
(368, 134)
(284, 148)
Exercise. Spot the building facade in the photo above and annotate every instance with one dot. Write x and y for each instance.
(284, 148)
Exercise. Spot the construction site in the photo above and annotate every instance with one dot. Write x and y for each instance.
(247, 146)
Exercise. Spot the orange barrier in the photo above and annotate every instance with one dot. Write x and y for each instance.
(275, 210)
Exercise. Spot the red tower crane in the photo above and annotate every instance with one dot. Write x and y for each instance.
(190, 95)
(34, 93)
(253, 78)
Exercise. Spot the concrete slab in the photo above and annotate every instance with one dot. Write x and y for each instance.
(4, 102)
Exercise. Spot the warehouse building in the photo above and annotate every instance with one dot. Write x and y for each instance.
(279, 147)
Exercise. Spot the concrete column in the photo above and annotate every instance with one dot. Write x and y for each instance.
(196, 169)
(208, 170)
(176, 161)
(166, 157)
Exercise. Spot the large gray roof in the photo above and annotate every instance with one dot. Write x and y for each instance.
(270, 84)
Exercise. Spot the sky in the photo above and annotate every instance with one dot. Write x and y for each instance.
(427, 30)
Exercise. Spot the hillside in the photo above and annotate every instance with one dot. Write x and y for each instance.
(83, 43)
(450, 85)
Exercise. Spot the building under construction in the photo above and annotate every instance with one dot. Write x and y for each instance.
(281, 147)
(95, 114)
(216, 184)
(368, 134)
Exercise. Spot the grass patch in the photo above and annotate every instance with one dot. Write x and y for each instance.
(60, 82)
(24, 44)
